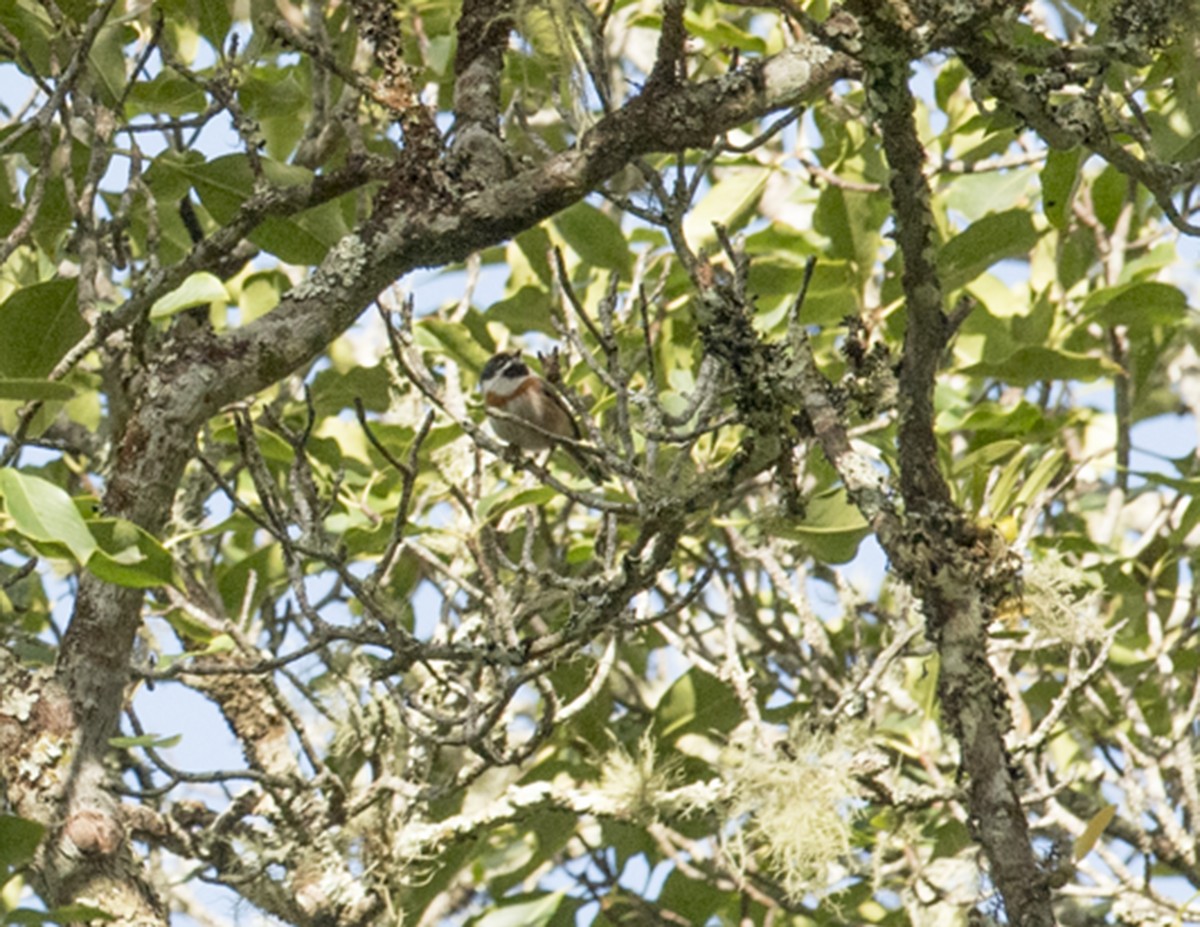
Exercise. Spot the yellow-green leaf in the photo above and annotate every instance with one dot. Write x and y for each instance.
(1095, 827)
(44, 513)
(199, 289)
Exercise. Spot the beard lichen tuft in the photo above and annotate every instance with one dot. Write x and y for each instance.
(635, 783)
(795, 797)
(1061, 600)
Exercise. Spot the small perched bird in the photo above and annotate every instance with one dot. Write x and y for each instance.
(509, 386)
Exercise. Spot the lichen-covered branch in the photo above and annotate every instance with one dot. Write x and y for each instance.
(448, 230)
(479, 151)
(955, 568)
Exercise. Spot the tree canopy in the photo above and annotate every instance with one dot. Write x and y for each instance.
(876, 319)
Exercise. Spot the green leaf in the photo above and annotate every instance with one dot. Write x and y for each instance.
(41, 323)
(529, 309)
(696, 703)
(68, 914)
(226, 183)
(831, 530)
(34, 32)
(534, 244)
(977, 196)
(455, 339)
(44, 513)
(852, 221)
(525, 911)
(107, 60)
(722, 33)
(54, 218)
(199, 289)
(128, 556)
(25, 389)
(259, 294)
(1040, 478)
(949, 78)
(1020, 419)
(496, 504)
(222, 643)
(730, 202)
(262, 569)
(1095, 828)
(1109, 192)
(694, 901)
(595, 237)
(986, 455)
(19, 840)
(334, 390)
(145, 740)
(167, 94)
(189, 627)
(1033, 364)
(281, 100)
(1060, 178)
(1137, 305)
(215, 19)
(169, 177)
(984, 243)
(833, 292)
(1000, 496)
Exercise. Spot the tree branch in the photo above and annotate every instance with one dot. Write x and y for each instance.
(956, 569)
(348, 280)
(478, 151)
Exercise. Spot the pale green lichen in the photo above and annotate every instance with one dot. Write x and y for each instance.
(796, 799)
(635, 783)
(342, 268)
(1061, 600)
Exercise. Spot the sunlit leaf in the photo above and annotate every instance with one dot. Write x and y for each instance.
(1060, 176)
(128, 556)
(42, 512)
(145, 740)
(493, 506)
(831, 529)
(696, 702)
(1137, 305)
(199, 289)
(226, 183)
(1094, 829)
(1032, 364)
(525, 911)
(729, 203)
(455, 340)
(107, 60)
(984, 243)
(166, 93)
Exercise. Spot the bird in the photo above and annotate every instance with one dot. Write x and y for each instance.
(509, 386)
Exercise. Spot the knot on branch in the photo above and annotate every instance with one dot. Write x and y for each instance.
(93, 833)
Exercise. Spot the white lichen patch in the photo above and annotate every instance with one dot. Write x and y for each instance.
(1062, 600)
(341, 268)
(796, 798)
(20, 704)
(634, 784)
(43, 754)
